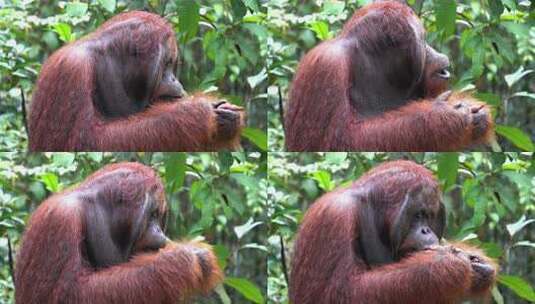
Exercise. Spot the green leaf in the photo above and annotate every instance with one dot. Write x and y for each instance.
(196, 188)
(445, 15)
(479, 213)
(521, 30)
(222, 254)
(496, 7)
(238, 8)
(221, 50)
(51, 182)
(225, 161)
(478, 58)
(334, 8)
(516, 136)
(448, 164)
(64, 32)
(252, 4)
(492, 250)
(63, 159)
(108, 5)
(175, 170)
(518, 285)
(321, 29)
(469, 41)
(504, 46)
(490, 98)
(324, 180)
(96, 156)
(335, 157)
(76, 9)
(246, 288)
(256, 136)
(38, 190)
(204, 200)
(188, 18)
(510, 4)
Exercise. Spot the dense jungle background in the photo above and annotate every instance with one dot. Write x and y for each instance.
(220, 197)
(490, 44)
(222, 44)
(489, 199)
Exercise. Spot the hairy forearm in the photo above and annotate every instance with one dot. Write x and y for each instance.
(174, 273)
(176, 126)
(425, 277)
(419, 126)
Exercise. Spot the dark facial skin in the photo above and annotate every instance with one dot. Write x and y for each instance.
(396, 76)
(169, 87)
(152, 236)
(419, 223)
(128, 82)
(436, 72)
(420, 236)
(114, 235)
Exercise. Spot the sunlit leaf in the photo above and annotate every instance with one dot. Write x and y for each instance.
(257, 137)
(321, 29)
(324, 180)
(518, 285)
(246, 288)
(64, 32)
(516, 136)
(51, 182)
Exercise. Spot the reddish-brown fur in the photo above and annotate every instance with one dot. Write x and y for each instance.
(327, 265)
(64, 112)
(339, 80)
(52, 265)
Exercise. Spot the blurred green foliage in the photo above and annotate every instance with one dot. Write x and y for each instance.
(489, 198)
(222, 43)
(218, 196)
(491, 46)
